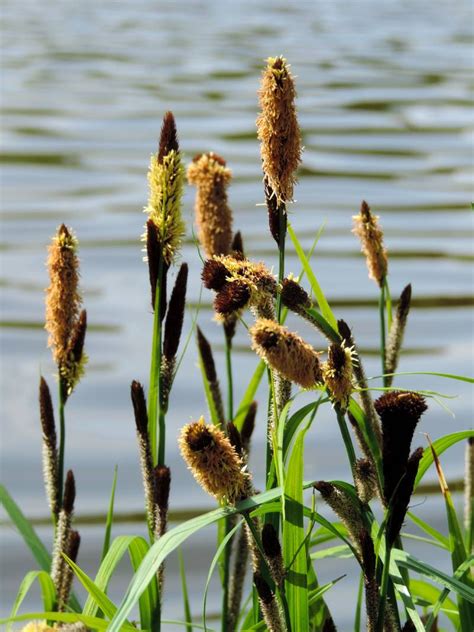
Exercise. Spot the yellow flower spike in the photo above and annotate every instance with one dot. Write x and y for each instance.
(367, 228)
(337, 373)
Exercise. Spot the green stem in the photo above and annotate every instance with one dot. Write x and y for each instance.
(62, 440)
(225, 576)
(346, 437)
(383, 589)
(281, 253)
(157, 439)
(230, 385)
(382, 329)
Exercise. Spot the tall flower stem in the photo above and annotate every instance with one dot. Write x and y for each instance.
(62, 438)
(227, 526)
(156, 416)
(383, 335)
(230, 385)
(281, 253)
(346, 437)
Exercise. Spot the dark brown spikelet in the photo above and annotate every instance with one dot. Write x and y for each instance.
(168, 137)
(69, 493)
(368, 554)
(237, 246)
(273, 212)
(74, 544)
(400, 412)
(162, 486)
(401, 497)
(248, 425)
(410, 627)
(232, 298)
(214, 275)
(365, 479)
(263, 589)
(270, 542)
(139, 407)
(154, 250)
(234, 437)
(345, 332)
(47, 413)
(293, 295)
(397, 331)
(76, 344)
(207, 358)
(175, 316)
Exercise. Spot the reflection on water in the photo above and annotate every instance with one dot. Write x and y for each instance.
(385, 106)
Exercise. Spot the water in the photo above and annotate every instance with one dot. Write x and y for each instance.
(385, 105)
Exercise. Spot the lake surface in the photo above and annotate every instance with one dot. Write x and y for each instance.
(385, 105)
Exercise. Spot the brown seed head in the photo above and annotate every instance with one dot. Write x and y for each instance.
(69, 493)
(73, 367)
(47, 413)
(368, 554)
(162, 476)
(154, 251)
(74, 543)
(214, 462)
(175, 316)
(237, 246)
(208, 172)
(401, 497)
(234, 437)
(232, 298)
(365, 480)
(263, 589)
(139, 407)
(207, 358)
(345, 332)
(286, 353)
(168, 137)
(337, 374)
(277, 128)
(63, 299)
(270, 542)
(293, 295)
(214, 275)
(366, 227)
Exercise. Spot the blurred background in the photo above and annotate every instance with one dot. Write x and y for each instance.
(384, 100)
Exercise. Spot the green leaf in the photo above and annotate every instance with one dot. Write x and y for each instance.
(110, 517)
(27, 532)
(432, 595)
(318, 293)
(213, 565)
(369, 436)
(405, 560)
(137, 548)
(341, 551)
(449, 376)
(174, 538)
(294, 549)
(315, 595)
(249, 395)
(440, 445)
(48, 591)
(427, 528)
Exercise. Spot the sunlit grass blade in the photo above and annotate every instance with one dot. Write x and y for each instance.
(457, 548)
(137, 547)
(427, 528)
(110, 517)
(184, 588)
(341, 551)
(369, 437)
(215, 561)
(294, 549)
(27, 532)
(432, 595)
(318, 293)
(174, 538)
(449, 376)
(48, 592)
(360, 596)
(440, 445)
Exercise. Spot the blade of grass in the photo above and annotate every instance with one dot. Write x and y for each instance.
(427, 528)
(48, 592)
(450, 376)
(432, 595)
(360, 596)
(184, 588)
(110, 517)
(318, 293)
(249, 394)
(92, 623)
(440, 445)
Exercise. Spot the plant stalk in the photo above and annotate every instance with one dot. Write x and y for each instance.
(346, 437)
(230, 383)
(383, 335)
(156, 431)
(62, 441)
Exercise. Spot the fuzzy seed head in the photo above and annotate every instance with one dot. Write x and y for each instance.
(286, 352)
(139, 407)
(270, 542)
(232, 299)
(248, 425)
(214, 275)
(337, 373)
(214, 462)
(166, 181)
(343, 506)
(175, 316)
(398, 405)
(207, 357)
(162, 475)
(168, 137)
(234, 437)
(237, 246)
(69, 493)
(154, 251)
(211, 176)
(63, 299)
(47, 413)
(73, 368)
(366, 227)
(278, 129)
(293, 295)
(365, 480)
(263, 589)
